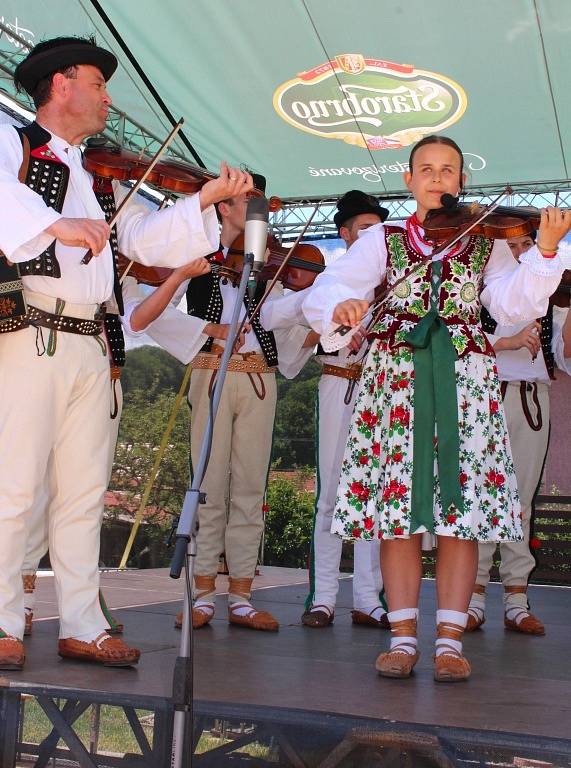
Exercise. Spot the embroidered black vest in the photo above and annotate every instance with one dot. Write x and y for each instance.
(546, 335)
(48, 176)
(204, 300)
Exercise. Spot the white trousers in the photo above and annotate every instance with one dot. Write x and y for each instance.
(55, 411)
(334, 417)
(529, 448)
(38, 536)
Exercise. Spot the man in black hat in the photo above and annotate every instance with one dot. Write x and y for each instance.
(54, 373)
(356, 211)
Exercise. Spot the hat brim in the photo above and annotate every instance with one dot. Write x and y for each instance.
(341, 217)
(30, 71)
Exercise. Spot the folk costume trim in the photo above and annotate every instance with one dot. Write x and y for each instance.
(204, 300)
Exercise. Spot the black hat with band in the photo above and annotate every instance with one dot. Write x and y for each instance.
(354, 203)
(59, 53)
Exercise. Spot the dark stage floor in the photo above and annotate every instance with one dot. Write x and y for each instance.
(520, 685)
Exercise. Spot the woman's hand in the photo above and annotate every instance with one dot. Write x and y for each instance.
(350, 312)
(555, 224)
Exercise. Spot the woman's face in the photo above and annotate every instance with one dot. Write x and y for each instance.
(435, 171)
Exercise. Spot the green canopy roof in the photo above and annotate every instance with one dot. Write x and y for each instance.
(325, 95)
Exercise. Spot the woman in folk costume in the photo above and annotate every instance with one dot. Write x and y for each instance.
(428, 451)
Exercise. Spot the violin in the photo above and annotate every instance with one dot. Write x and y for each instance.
(303, 266)
(503, 223)
(111, 162)
(154, 276)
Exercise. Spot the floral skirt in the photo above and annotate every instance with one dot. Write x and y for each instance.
(374, 495)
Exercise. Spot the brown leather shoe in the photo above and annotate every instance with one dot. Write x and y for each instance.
(396, 663)
(368, 620)
(451, 667)
(528, 625)
(109, 651)
(12, 654)
(254, 619)
(200, 618)
(318, 617)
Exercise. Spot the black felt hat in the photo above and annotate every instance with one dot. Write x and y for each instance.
(59, 53)
(259, 182)
(354, 203)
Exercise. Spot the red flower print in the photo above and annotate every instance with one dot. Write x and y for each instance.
(398, 531)
(495, 521)
(380, 379)
(363, 459)
(369, 418)
(463, 478)
(356, 533)
(376, 449)
(399, 414)
(359, 490)
(368, 523)
(451, 519)
(394, 490)
(495, 478)
(494, 406)
(397, 456)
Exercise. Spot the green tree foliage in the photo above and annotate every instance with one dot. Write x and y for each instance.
(289, 523)
(294, 428)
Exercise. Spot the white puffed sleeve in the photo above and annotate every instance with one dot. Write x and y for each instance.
(557, 342)
(170, 237)
(517, 292)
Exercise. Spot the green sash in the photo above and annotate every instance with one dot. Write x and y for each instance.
(435, 403)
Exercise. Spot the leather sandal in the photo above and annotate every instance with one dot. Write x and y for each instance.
(369, 620)
(105, 650)
(527, 625)
(12, 654)
(451, 666)
(253, 619)
(28, 623)
(475, 621)
(318, 617)
(201, 616)
(401, 659)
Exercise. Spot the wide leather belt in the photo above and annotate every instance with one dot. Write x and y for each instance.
(250, 362)
(38, 317)
(351, 372)
(115, 372)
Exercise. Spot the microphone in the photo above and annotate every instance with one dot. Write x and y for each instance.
(256, 236)
(448, 201)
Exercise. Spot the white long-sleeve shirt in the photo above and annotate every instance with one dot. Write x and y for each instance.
(511, 295)
(170, 237)
(182, 335)
(518, 365)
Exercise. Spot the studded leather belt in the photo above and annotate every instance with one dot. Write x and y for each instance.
(351, 372)
(249, 362)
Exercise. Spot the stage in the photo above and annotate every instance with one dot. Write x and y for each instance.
(517, 699)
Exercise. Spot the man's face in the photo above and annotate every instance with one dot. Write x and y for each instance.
(85, 99)
(356, 224)
(519, 245)
(234, 212)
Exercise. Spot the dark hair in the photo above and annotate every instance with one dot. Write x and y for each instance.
(434, 139)
(41, 93)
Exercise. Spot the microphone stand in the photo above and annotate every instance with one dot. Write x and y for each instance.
(185, 551)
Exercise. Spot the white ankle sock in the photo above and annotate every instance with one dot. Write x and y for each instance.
(516, 606)
(205, 606)
(243, 608)
(406, 644)
(89, 637)
(443, 644)
(477, 607)
(375, 611)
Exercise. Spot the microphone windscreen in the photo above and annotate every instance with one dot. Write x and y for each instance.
(448, 201)
(258, 209)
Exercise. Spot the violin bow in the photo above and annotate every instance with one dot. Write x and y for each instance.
(481, 216)
(137, 185)
(276, 277)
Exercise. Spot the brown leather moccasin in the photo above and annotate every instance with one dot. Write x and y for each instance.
(368, 620)
(12, 654)
(105, 650)
(254, 619)
(529, 625)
